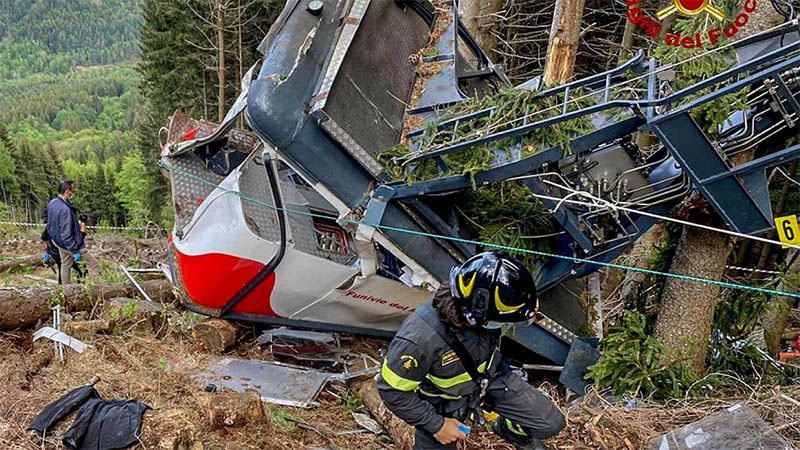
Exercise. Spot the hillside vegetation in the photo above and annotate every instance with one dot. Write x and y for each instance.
(67, 107)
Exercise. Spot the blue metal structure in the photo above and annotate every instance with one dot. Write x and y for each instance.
(333, 93)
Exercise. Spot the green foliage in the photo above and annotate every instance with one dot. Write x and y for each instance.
(632, 362)
(694, 69)
(109, 272)
(126, 311)
(66, 105)
(53, 36)
(57, 297)
(509, 105)
(506, 214)
(78, 121)
(282, 419)
(738, 314)
(352, 402)
(735, 318)
(63, 100)
(133, 189)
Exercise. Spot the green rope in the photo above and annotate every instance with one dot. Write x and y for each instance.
(489, 245)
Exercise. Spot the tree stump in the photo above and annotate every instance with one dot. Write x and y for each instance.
(216, 335)
(232, 409)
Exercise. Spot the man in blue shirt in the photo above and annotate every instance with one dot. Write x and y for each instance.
(64, 229)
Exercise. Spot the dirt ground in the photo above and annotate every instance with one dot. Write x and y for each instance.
(152, 365)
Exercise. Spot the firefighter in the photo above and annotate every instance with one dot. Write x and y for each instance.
(443, 370)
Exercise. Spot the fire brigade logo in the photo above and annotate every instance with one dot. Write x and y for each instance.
(409, 362)
(728, 26)
(691, 8)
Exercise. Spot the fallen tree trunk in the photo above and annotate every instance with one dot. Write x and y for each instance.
(10, 265)
(23, 307)
(402, 433)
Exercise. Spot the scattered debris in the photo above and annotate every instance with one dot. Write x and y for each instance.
(277, 383)
(284, 334)
(367, 422)
(59, 337)
(313, 354)
(736, 428)
(135, 283)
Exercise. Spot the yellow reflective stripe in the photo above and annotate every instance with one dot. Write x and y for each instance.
(444, 396)
(396, 381)
(466, 290)
(516, 429)
(456, 380)
(502, 308)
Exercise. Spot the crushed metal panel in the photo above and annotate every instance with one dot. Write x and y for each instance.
(284, 333)
(361, 101)
(735, 428)
(59, 337)
(277, 383)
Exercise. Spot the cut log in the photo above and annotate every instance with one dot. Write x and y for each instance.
(402, 433)
(10, 265)
(233, 409)
(23, 306)
(216, 335)
(82, 328)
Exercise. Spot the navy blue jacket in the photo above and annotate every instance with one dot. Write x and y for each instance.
(63, 225)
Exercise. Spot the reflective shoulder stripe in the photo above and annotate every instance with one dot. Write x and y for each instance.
(456, 380)
(444, 396)
(396, 381)
(516, 429)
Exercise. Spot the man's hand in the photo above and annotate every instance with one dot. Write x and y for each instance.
(449, 432)
(76, 257)
(46, 258)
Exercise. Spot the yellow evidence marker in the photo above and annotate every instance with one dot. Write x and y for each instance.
(788, 230)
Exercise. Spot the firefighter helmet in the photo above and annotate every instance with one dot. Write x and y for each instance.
(493, 286)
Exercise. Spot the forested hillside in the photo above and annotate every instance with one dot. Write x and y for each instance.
(54, 36)
(85, 86)
(67, 106)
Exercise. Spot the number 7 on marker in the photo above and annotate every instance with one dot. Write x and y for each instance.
(788, 230)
